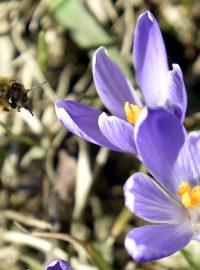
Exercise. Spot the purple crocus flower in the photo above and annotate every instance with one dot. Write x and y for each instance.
(58, 265)
(172, 202)
(159, 87)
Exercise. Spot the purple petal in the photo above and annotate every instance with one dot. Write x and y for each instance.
(150, 60)
(193, 147)
(177, 91)
(174, 107)
(82, 121)
(58, 265)
(147, 200)
(159, 137)
(187, 161)
(111, 84)
(186, 168)
(119, 132)
(154, 242)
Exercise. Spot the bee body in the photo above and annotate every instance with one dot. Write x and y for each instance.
(13, 95)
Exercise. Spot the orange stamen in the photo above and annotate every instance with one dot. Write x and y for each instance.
(184, 188)
(190, 198)
(132, 112)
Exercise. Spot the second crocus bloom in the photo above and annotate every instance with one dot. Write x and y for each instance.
(58, 265)
(159, 88)
(172, 201)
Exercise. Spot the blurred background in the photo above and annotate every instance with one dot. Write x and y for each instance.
(50, 180)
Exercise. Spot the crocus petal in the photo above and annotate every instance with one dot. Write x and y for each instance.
(111, 84)
(177, 91)
(154, 242)
(193, 146)
(150, 60)
(82, 121)
(188, 160)
(58, 265)
(147, 200)
(119, 132)
(159, 137)
(174, 107)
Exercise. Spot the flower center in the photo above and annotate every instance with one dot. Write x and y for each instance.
(132, 112)
(190, 197)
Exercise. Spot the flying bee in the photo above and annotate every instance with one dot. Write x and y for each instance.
(13, 95)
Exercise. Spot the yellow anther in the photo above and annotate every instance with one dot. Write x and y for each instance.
(195, 193)
(184, 188)
(186, 200)
(190, 198)
(132, 112)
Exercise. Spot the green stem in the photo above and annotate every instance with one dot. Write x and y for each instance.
(97, 258)
(122, 220)
(189, 258)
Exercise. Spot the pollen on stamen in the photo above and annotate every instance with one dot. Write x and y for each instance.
(184, 188)
(132, 112)
(190, 197)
